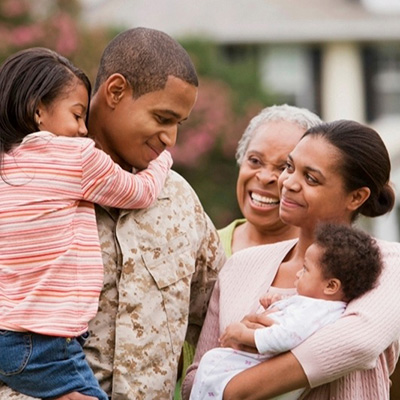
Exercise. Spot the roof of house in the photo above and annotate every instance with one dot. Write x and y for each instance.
(252, 21)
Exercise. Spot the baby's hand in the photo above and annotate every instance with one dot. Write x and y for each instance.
(269, 299)
(232, 336)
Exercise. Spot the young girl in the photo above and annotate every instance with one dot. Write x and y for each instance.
(50, 259)
(340, 266)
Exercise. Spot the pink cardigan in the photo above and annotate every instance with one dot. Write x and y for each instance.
(350, 359)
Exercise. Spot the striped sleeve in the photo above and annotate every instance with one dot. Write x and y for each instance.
(106, 183)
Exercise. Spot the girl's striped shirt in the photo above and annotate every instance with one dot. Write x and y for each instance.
(51, 270)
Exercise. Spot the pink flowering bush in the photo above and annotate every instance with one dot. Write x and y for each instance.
(205, 150)
(23, 24)
(206, 143)
(211, 116)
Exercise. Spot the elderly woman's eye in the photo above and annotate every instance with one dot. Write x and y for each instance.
(253, 160)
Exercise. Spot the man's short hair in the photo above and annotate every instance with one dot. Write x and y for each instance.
(146, 58)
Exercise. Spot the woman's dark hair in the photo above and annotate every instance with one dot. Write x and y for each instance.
(27, 78)
(365, 163)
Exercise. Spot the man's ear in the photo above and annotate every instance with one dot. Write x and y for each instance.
(116, 88)
(333, 285)
(358, 197)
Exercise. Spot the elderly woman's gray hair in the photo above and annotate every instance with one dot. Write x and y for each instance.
(299, 116)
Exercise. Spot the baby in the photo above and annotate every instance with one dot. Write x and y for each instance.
(342, 264)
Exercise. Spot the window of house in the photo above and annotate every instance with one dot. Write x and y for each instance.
(292, 72)
(382, 80)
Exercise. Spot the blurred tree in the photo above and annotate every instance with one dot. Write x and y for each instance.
(229, 94)
(53, 24)
(25, 24)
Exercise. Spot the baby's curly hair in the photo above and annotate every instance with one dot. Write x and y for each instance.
(350, 255)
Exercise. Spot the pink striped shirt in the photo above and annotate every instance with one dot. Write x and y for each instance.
(51, 270)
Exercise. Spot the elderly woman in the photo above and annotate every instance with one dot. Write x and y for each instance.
(261, 154)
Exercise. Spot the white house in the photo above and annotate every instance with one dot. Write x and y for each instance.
(340, 58)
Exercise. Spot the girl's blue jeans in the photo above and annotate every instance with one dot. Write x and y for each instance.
(46, 366)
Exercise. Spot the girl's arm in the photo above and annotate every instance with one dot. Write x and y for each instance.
(106, 183)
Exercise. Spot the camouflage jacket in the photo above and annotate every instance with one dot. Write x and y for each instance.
(160, 266)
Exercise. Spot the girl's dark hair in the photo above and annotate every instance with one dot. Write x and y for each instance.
(365, 162)
(27, 78)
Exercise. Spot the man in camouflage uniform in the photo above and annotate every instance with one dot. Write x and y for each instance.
(160, 263)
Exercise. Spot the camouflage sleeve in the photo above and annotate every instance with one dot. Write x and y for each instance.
(8, 394)
(210, 259)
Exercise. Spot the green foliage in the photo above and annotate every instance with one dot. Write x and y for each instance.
(53, 24)
(27, 24)
(91, 45)
(230, 94)
(237, 66)
(215, 183)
